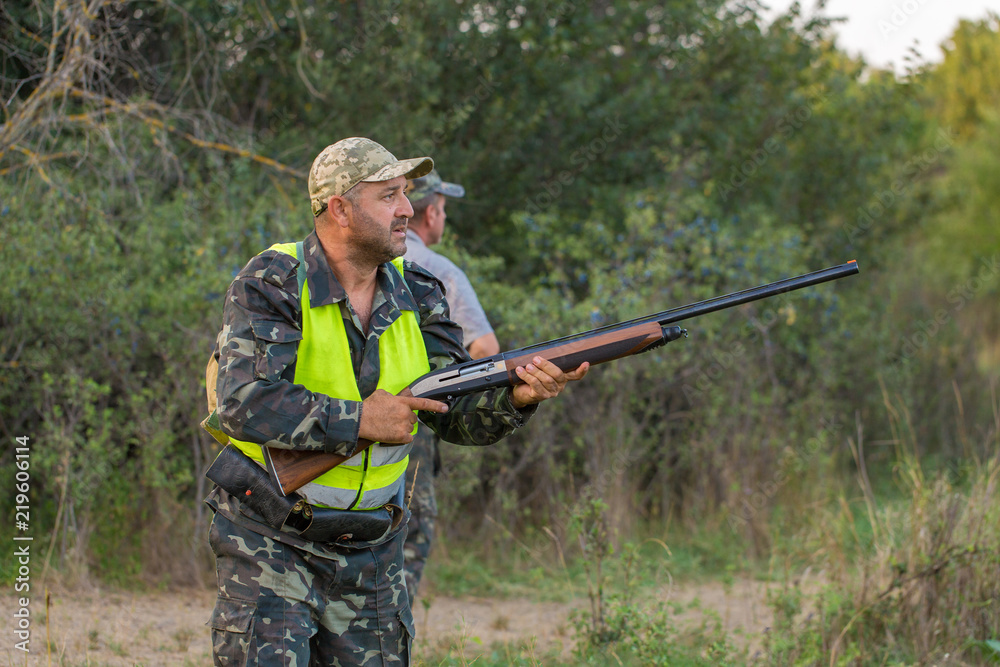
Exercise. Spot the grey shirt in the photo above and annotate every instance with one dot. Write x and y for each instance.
(462, 300)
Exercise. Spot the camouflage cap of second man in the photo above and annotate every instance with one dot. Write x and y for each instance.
(430, 184)
(341, 166)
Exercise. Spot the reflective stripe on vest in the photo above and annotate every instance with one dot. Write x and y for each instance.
(373, 477)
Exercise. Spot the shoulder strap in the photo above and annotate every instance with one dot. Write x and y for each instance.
(301, 270)
(398, 265)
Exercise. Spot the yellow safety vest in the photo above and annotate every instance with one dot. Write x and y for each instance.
(323, 365)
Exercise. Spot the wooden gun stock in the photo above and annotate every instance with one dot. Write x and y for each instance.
(292, 469)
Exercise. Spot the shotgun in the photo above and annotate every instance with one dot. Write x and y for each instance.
(290, 469)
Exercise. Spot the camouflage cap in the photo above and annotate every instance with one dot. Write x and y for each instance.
(431, 183)
(348, 162)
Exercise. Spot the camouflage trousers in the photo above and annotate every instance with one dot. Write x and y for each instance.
(280, 605)
(420, 474)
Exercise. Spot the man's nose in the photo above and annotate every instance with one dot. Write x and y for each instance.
(406, 208)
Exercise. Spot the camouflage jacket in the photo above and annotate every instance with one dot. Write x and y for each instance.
(257, 346)
(259, 339)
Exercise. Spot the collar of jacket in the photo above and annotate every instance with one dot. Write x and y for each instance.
(325, 289)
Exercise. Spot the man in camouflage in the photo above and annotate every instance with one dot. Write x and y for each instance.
(284, 599)
(428, 195)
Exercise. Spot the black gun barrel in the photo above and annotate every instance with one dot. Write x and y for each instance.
(754, 293)
(711, 305)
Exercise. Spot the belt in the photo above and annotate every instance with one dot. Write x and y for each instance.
(240, 476)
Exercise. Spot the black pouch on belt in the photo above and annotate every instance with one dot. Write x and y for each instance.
(240, 476)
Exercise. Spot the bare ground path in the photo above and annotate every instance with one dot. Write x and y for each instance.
(95, 628)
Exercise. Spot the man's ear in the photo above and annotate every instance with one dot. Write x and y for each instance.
(340, 210)
(432, 213)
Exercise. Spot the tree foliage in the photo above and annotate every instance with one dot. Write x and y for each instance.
(620, 158)
(966, 86)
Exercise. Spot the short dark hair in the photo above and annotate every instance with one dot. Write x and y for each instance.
(351, 195)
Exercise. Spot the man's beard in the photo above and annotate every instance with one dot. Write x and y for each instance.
(373, 245)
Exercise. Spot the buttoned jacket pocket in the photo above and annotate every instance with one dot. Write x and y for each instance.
(276, 343)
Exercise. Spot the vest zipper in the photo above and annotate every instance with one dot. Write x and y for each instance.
(364, 476)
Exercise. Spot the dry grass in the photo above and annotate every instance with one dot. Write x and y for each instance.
(911, 580)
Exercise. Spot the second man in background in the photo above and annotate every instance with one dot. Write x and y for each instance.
(428, 196)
